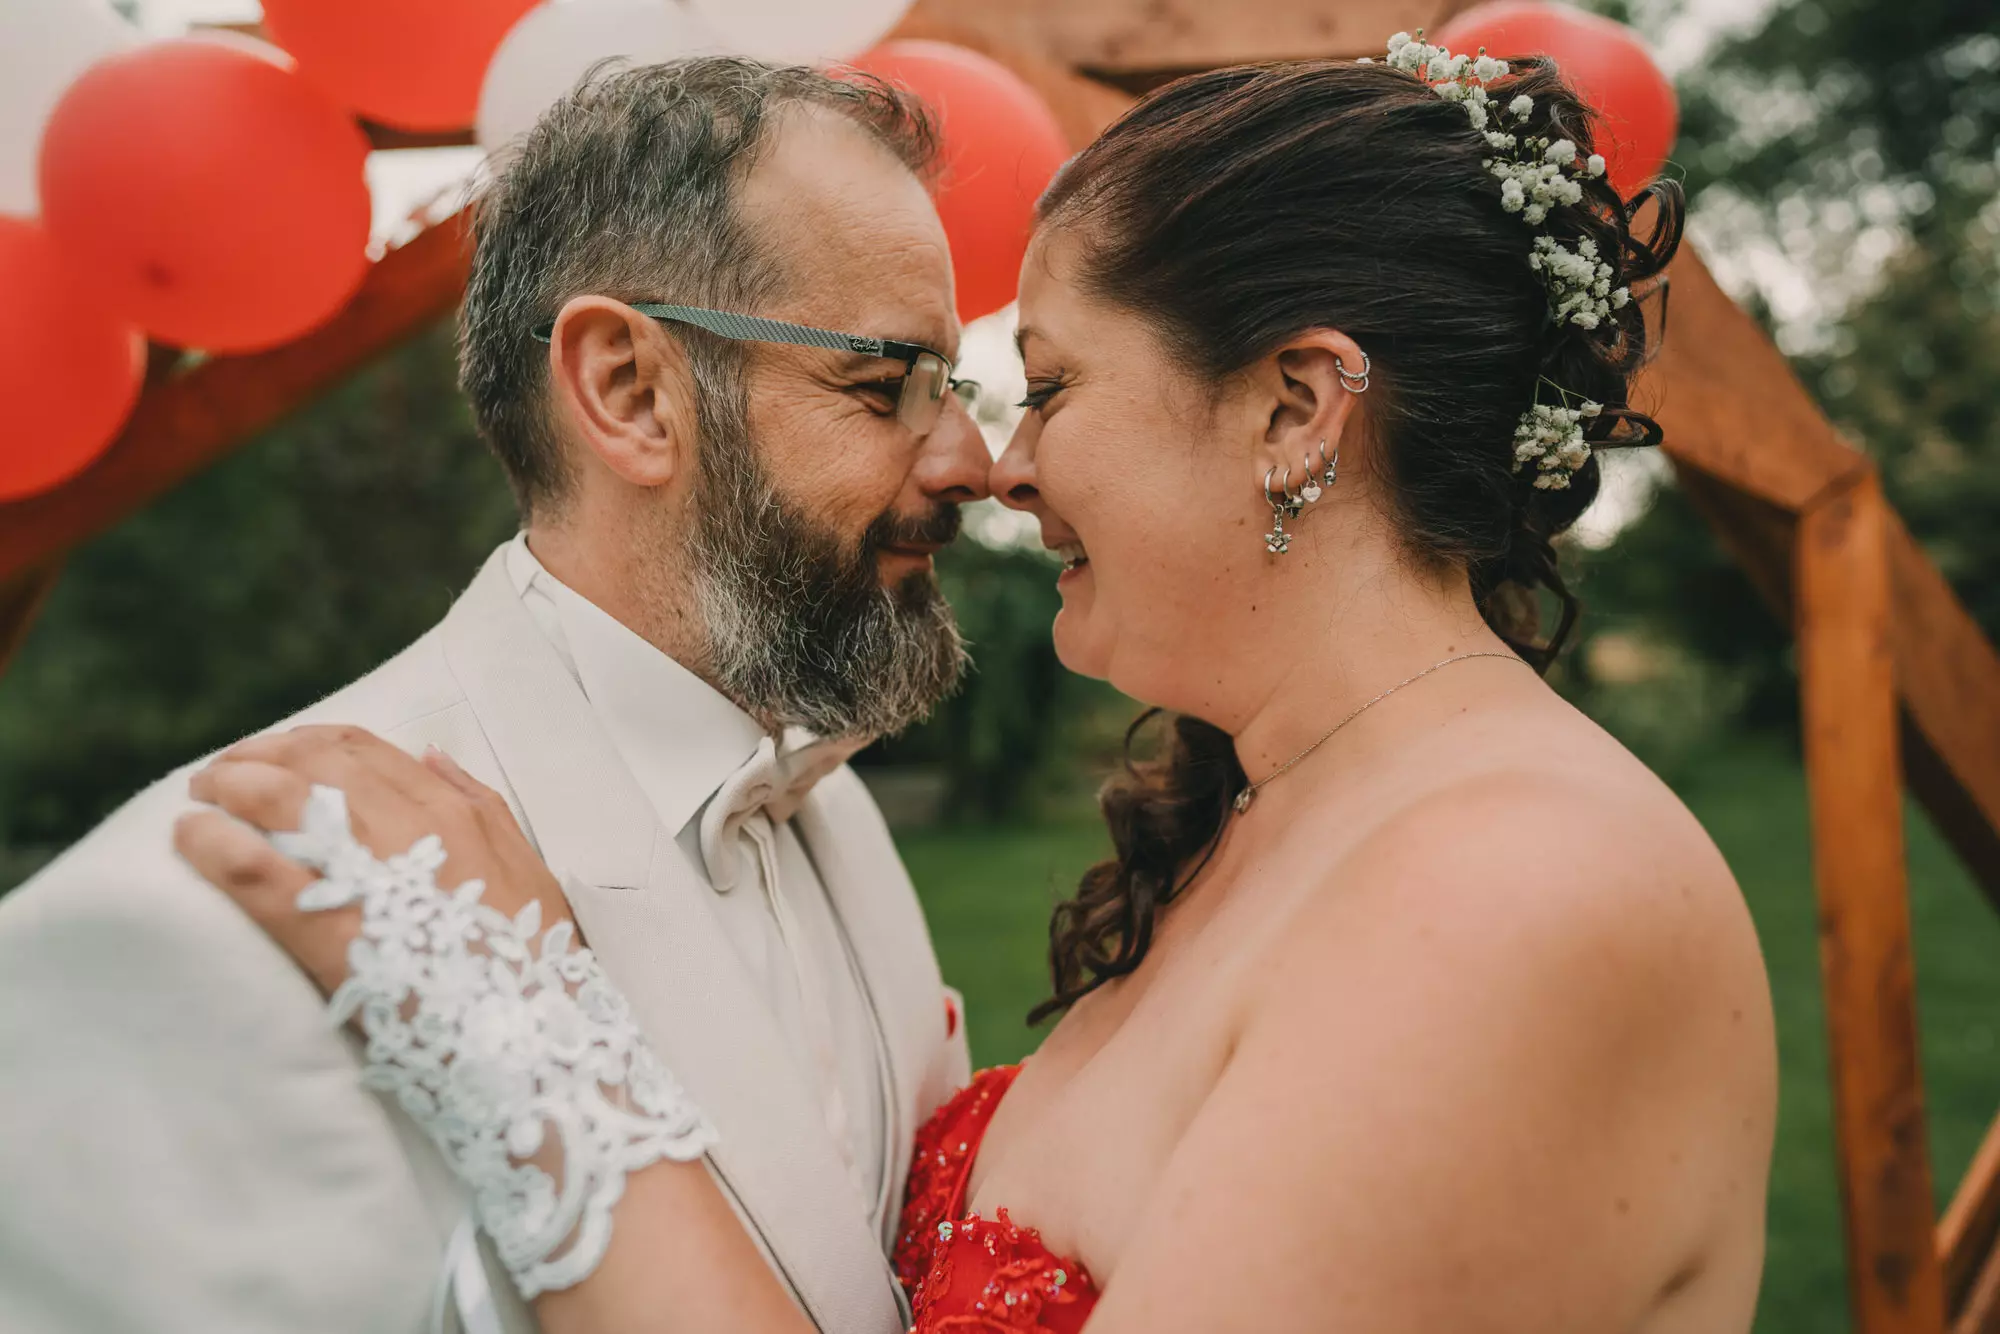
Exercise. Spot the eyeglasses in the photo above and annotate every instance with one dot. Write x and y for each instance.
(919, 394)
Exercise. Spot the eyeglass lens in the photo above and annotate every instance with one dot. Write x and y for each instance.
(923, 393)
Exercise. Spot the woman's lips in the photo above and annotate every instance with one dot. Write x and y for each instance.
(1072, 555)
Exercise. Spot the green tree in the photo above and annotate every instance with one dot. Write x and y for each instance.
(1855, 140)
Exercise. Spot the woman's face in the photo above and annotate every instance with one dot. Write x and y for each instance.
(1145, 482)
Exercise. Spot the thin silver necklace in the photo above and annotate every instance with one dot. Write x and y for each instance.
(1249, 794)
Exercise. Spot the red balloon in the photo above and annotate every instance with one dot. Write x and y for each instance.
(1002, 146)
(209, 193)
(414, 64)
(1604, 61)
(69, 368)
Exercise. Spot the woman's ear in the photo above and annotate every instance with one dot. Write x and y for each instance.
(1314, 381)
(625, 385)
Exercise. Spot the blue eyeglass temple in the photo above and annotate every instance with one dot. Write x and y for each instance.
(757, 329)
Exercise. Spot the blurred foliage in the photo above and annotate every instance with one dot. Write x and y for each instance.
(1017, 727)
(265, 583)
(1836, 130)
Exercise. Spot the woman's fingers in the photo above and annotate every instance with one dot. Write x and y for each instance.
(392, 799)
(507, 844)
(240, 862)
(266, 795)
(495, 815)
(333, 754)
(445, 767)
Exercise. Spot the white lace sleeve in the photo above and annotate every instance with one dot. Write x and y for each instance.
(517, 1056)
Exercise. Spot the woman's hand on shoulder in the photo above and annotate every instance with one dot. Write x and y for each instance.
(393, 800)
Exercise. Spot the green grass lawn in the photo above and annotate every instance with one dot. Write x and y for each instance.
(988, 893)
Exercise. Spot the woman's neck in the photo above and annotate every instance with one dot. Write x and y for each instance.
(1378, 637)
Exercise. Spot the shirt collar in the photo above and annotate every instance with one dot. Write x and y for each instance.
(680, 737)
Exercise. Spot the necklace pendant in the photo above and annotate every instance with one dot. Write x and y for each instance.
(1244, 798)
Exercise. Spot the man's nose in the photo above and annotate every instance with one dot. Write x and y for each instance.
(954, 460)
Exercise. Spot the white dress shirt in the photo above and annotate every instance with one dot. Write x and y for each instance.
(682, 741)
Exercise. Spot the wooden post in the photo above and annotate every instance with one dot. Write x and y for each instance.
(1848, 683)
(1968, 1241)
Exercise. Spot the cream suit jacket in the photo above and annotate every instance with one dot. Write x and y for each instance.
(184, 1143)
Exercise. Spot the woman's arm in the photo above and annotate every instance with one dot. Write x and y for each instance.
(506, 1044)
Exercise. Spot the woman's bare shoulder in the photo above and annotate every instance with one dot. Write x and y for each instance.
(1563, 878)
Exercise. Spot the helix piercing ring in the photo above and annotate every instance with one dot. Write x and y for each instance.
(1356, 383)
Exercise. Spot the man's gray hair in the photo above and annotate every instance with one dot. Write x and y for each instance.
(626, 188)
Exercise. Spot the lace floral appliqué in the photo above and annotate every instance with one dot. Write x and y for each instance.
(515, 1054)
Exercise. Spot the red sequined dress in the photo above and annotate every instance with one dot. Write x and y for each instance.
(971, 1275)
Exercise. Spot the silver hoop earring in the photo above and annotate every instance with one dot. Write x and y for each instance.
(1329, 468)
(1309, 490)
(1278, 541)
(1356, 384)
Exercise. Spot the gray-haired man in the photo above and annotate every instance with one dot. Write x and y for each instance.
(709, 334)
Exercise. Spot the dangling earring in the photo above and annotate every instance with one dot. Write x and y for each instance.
(1356, 384)
(1283, 507)
(1309, 491)
(1329, 468)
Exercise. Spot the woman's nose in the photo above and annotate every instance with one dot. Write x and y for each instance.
(1012, 481)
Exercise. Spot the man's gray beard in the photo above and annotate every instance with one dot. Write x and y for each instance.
(801, 631)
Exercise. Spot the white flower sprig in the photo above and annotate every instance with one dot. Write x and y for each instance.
(1550, 439)
(1536, 175)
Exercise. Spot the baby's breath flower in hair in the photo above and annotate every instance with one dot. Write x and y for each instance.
(1536, 176)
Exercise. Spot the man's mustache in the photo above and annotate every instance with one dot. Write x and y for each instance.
(940, 527)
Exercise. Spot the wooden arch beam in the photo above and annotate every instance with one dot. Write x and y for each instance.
(188, 420)
(1755, 453)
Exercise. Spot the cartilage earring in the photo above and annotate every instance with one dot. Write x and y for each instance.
(1357, 384)
(1278, 541)
(1330, 466)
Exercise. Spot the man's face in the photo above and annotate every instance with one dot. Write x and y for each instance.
(818, 511)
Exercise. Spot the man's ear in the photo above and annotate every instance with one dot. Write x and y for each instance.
(1311, 384)
(626, 386)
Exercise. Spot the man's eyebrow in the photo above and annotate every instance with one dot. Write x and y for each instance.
(935, 337)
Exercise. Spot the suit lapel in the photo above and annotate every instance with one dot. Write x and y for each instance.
(646, 914)
(877, 906)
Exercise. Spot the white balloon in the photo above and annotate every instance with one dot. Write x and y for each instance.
(555, 44)
(801, 31)
(44, 45)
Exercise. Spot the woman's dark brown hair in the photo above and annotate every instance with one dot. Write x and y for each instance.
(1236, 209)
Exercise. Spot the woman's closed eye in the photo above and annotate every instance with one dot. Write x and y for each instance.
(1040, 392)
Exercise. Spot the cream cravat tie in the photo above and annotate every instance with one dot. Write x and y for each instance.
(749, 806)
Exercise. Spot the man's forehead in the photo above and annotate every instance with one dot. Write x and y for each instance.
(856, 234)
